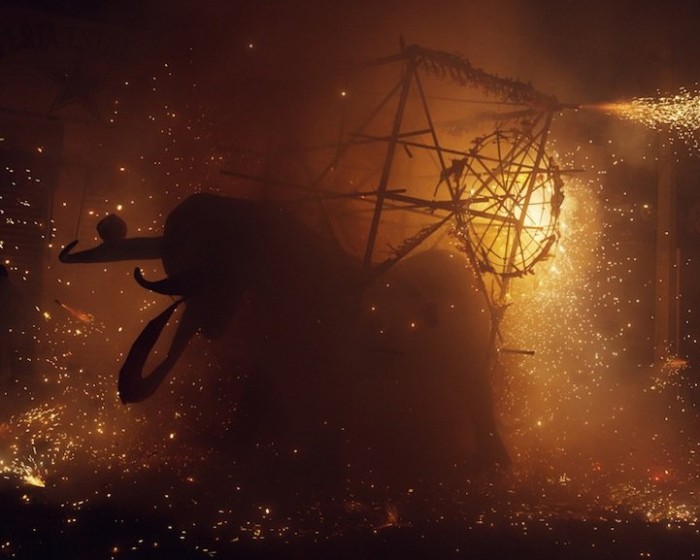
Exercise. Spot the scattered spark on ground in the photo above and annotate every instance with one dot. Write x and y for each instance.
(570, 417)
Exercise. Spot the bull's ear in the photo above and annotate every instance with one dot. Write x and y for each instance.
(133, 386)
(135, 248)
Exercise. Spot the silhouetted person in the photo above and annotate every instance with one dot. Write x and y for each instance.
(17, 318)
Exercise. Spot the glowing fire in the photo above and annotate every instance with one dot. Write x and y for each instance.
(536, 216)
(512, 220)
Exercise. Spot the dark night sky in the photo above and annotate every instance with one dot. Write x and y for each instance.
(601, 48)
(579, 51)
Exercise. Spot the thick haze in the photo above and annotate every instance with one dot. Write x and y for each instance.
(183, 90)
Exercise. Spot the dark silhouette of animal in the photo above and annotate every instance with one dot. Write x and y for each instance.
(395, 363)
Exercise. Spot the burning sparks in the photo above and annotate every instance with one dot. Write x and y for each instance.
(559, 408)
(579, 451)
(582, 404)
(34, 443)
(679, 113)
(34, 480)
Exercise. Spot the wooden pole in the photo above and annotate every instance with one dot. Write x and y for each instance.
(386, 171)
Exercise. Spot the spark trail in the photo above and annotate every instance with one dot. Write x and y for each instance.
(679, 113)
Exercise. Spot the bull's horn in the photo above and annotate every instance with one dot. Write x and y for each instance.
(135, 248)
(171, 286)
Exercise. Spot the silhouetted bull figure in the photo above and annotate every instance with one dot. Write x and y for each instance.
(402, 356)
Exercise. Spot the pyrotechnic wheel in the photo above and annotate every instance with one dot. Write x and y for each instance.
(513, 193)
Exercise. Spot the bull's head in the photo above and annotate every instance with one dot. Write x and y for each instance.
(208, 250)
